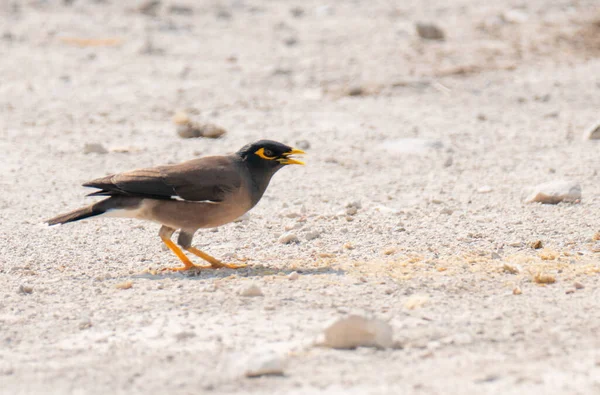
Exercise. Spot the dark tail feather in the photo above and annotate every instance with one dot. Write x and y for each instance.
(76, 215)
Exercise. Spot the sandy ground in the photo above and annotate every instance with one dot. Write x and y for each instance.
(439, 241)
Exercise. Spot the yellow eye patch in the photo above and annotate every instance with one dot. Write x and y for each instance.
(261, 153)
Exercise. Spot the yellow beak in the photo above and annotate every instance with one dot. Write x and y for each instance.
(286, 160)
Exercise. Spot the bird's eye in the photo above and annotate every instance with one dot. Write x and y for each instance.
(268, 152)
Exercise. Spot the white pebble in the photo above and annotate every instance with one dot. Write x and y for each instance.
(293, 276)
(251, 291)
(288, 237)
(357, 331)
(555, 192)
(265, 364)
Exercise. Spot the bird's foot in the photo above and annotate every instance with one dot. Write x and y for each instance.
(214, 262)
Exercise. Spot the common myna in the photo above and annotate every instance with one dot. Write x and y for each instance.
(201, 193)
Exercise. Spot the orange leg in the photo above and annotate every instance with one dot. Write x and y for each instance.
(214, 262)
(186, 261)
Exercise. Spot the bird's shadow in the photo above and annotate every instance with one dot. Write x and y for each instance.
(249, 271)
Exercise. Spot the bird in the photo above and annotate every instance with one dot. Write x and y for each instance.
(201, 193)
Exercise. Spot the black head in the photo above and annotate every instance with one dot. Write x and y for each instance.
(269, 154)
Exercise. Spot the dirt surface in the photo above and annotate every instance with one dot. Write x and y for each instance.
(409, 210)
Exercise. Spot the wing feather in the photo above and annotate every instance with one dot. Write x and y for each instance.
(210, 178)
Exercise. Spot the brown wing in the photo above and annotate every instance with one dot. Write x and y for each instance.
(210, 178)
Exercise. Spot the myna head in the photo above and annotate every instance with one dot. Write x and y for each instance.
(269, 154)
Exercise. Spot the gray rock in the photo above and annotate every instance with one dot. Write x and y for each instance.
(25, 289)
(180, 9)
(592, 133)
(297, 12)
(94, 148)
(303, 144)
(555, 192)
(356, 204)
(357, 331)
(149, 7)
(429, 31)
(312, 235)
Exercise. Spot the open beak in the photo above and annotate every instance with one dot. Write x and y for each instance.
(286, 160)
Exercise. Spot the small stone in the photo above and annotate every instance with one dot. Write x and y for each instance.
(592, 133)
(544, 278)
(265, 365)
(356, 204)
(188, 129)
(356, 90)
(555, 192)
(303, 144)
(125, 285)
(297, 12)
(485, 189)
(449, 161)
(429, 31)
(85, 324)
(389, 251)
(149, 7)
(288, 238)
(446, 211)
(349, 246)
(495, 255)
(293, 276)
(351, 211)
(578, 285)
(223, 14)
(94, 148)
(511, 268)
(179, 9)
(517, 291)
(515, 16)
(357, 331)
(548, 255)
(596, 236)
(312, 235)
(536, 245)
(25, 289)
(324, 10)
(182, 336)
(570, 291)
(290, 41)
(415, 301)
(251, 290)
